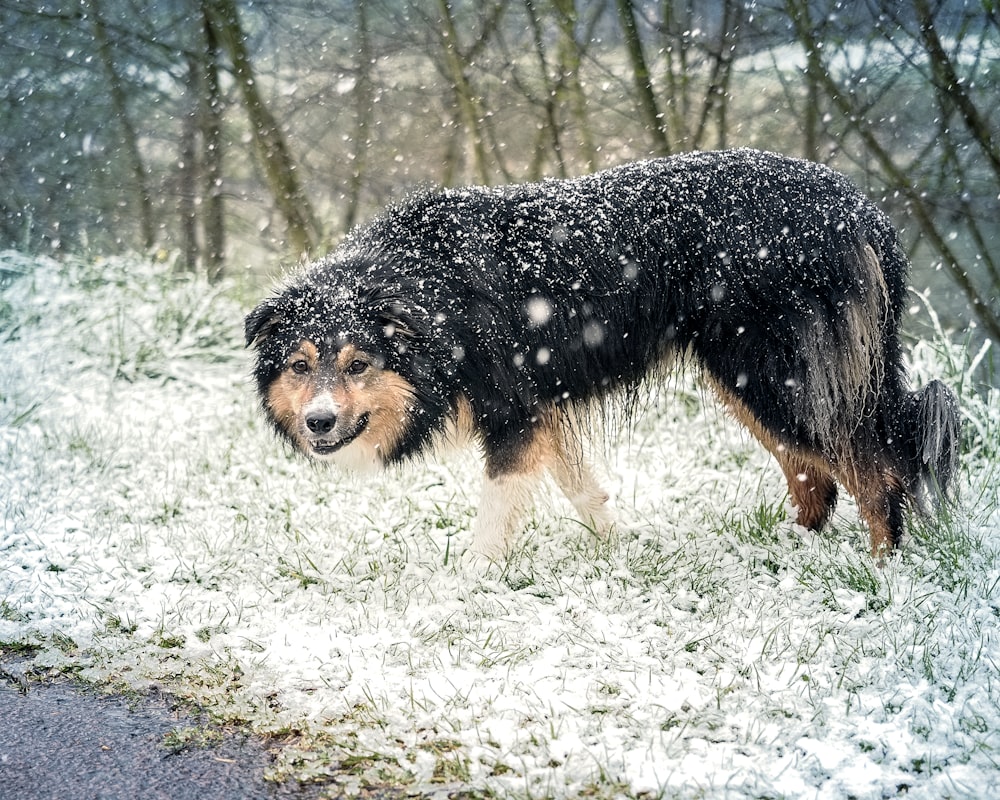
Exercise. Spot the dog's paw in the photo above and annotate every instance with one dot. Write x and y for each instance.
(603, 523)
(596, 512)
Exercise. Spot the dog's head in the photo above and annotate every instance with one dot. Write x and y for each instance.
(331, 370)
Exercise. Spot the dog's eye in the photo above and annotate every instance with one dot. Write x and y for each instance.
(300, 366)
(356, 367)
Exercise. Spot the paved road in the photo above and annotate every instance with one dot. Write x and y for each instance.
(63, 742)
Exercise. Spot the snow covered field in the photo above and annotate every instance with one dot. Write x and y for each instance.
(153, 531)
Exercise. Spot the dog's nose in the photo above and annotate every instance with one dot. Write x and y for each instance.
(321, 422)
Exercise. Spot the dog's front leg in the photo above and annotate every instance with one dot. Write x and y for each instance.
(576, 479)
(504, 499)
(514, 470)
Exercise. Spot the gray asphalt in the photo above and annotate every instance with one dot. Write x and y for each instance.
(65, 742)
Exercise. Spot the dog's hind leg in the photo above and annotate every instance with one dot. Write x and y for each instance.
(881, 501)
(811, 485)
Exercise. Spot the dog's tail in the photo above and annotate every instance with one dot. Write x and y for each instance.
(928, 427)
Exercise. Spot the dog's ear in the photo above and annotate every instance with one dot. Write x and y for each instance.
(398, 316)
(398, 320)
(262, 322)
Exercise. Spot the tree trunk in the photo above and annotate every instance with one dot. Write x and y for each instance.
(952, 89)
(189, 170)
(129, 139)
(569, 61)
(552, 91)
(676, 28)
(269, 141)
(715, 103)
(468, 102)
(645, 93)
(210, 125)
(364, 102)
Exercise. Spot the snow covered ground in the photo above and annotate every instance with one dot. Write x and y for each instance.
(153, 531)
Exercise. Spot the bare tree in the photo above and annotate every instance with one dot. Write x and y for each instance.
(129, 138)
(951, 89)
(364, 108)
(653, 118)
(269, 140)
(684, 99)
(551, 83)
(721, 54)
(456, 65)
(342, 105)
(201, 204)
(210, 111)
(918, 178)
(551, 88)
(188, 192)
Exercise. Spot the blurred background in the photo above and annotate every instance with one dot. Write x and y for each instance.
(234, 137)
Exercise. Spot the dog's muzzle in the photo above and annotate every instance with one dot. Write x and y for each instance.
(322, 429)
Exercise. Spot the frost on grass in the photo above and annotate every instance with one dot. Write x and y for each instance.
(153, 531)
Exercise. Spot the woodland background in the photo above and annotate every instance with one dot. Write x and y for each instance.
(229, 136)
(161, 162)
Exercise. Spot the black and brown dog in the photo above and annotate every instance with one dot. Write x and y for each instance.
(508, 313)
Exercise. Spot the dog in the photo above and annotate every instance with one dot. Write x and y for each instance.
(507, 315)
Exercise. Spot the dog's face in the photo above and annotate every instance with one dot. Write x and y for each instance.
(326, 381)
(339, 403)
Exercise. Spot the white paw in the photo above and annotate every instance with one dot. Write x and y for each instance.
(600, 521)
(604, 523)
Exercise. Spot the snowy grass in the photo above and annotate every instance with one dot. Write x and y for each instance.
(152, 531)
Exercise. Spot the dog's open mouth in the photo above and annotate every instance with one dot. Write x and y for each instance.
(324, 447)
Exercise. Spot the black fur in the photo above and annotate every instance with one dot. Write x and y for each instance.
(775, 276)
